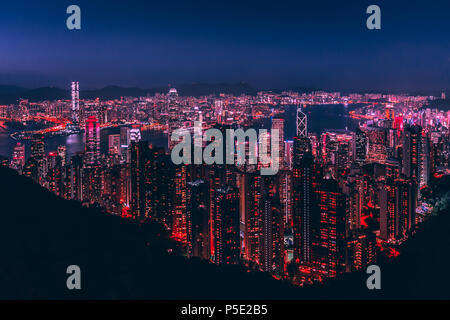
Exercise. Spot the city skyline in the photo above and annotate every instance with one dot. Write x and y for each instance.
(338, 200)
(224, 150)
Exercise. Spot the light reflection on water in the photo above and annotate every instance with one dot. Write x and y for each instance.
(75, 142)
(319, 118)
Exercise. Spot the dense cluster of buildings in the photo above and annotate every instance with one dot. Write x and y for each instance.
(340, 197)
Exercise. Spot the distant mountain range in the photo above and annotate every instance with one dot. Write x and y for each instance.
(11, 94)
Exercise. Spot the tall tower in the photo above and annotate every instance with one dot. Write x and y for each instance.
(218, 109)
(172, 115)
(272, 228)
(75, 103)
(124, 142)
(412, 140)
(302, 129)
(197, 219)
(302, 144)
(252, 233)
(332, 212)
(304, 214)
(179, 204)
(138, 153)
(226, 226)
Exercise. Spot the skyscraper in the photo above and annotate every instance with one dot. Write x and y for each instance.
(18, 157)
(218, 110)
(412, 148)
(92, 147)
(172, 115)
(397, 208)
(135, 135)
(359, 146)
(272, 229)
(302, 144)
(179, 204)
(37, 147)
(226, 226)
(62, 153)
(114, 144)
(304, 212)
(38, 154)
(278, 124)
(302, 123)
(331, 242)
(251, 195)
(197, 219)
(138, 153)
(124, 142)
(75, 103)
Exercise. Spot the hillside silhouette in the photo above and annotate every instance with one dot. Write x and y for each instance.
(11, 94)
(41, 234)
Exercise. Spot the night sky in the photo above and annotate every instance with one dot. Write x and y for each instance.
(269, 44)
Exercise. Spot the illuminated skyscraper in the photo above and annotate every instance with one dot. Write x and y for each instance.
(138, 153)
(302, 123)
(361, 251)
(359, 146)
(397, 208)
(390, 113)
(412, 148)
(302, 143)
(226, 226)
(37, 147)
(272, 229)
(124, 142)
(114, 144)
(18, 157)
(62, 153)
(76, 178)
(251, 192)
(135, 135)
(406, 204)
(304, 211)
(425, 163)
(377, 144)
(159, 186)
(179, 204)
(38, 154)
(172, 115)
(218, 110)
(75, 103)
(278, 124)
(92, 147)
(331, 242)
(197, 219)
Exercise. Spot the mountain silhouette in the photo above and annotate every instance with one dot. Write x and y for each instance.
(42, 234)
(11, 94)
